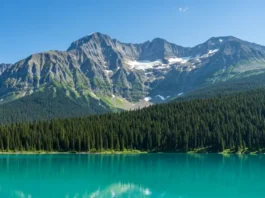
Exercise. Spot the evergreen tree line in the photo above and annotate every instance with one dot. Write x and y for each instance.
(235, 122)
(47, 105)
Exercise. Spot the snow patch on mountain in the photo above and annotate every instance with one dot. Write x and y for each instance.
(213, 51)
(162, 67)
(148, 73)
(108, 71)
(182, 60)
(147, 99)
(180, 94)
(210, 53)
(144, 65)
(158, 64)
(162, 97)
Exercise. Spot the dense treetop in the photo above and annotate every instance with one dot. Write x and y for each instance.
(234, 122)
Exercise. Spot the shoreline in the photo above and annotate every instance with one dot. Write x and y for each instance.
(112, 152)
(70, 152)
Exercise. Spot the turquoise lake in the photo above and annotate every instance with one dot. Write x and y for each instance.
(144, 175)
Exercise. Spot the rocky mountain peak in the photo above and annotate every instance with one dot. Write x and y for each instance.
(98, 65)
(92, 38)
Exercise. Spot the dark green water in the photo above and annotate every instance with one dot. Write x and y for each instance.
(146, 175)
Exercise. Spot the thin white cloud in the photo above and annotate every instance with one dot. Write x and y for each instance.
(184, 9)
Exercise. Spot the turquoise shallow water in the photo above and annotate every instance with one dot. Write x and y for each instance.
(146, 175)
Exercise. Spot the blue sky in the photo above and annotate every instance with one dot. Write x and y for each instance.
(32, 26)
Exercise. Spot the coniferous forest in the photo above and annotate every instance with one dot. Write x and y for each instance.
(235, 122)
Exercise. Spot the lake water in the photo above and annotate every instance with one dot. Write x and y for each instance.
(144, 175)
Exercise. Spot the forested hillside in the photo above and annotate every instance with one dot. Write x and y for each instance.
(227, 87)
(47, 104)
(235, 122)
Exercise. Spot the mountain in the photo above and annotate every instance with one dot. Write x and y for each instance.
(217, 60)
(3, 67)
(127, 76)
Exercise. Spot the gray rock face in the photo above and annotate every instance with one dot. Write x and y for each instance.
(98, 65)
(3, 67)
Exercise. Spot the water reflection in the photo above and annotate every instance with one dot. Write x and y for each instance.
(119, 189)
(147, 175)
